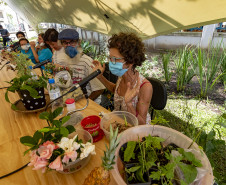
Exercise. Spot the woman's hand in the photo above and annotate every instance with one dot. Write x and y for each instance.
(97, 65)
(32, 44)
(132, 92)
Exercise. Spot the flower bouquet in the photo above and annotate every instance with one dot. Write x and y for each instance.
(56, 147)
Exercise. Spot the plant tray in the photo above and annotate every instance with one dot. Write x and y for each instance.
(20, 106)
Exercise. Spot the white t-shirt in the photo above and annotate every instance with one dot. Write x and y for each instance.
(81, 67)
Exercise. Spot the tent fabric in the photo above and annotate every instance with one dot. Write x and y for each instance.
(148, 18)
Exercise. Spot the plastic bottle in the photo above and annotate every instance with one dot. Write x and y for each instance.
(33, 74)
(70, 102)
(54, 92)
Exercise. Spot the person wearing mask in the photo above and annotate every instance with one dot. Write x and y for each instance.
(51, 38)
(16, 46)
(5, 35)
(132, 92)
(26, 49)
(70, 55)
(43, 52)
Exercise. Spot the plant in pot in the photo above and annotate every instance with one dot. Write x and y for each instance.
(29, 86)
(157, 164)
(57, 147)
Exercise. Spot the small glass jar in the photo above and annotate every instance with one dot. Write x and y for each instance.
(70, 104)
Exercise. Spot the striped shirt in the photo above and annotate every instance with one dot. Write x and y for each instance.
(81, 68)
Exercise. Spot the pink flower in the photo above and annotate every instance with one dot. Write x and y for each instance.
(47, 143)
(40, 164)
(45, 152)
(34, 158)
(46, 149)
(69, 155)
(56, 164)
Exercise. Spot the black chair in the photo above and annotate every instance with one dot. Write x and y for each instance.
(159, 96)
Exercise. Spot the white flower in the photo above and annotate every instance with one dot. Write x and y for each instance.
(69, 145)
(88, 149)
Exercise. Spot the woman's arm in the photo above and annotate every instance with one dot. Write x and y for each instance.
(144, 99)
(32, 44)
(109, 85)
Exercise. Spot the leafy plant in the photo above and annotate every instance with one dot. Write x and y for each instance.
(54, 132)
(165, 62)
(183, 70)
(51, 147)
(208, 66)
(159, 161)
(24, 79)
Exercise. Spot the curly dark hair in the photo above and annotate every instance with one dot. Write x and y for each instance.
(130, 47)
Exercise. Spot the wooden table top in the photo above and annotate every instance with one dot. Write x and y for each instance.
(14, 125)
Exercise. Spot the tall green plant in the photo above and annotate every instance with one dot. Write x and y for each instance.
(209, 63)
(184, 72)
(165, 62)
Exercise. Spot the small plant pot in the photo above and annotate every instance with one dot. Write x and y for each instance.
(134, 182)
(92, 125)
(31, 103)
(121, 154)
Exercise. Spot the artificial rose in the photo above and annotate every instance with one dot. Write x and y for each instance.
(88, 149)
(34, 158)
(46, 151)
(56, 164)
(41, 163)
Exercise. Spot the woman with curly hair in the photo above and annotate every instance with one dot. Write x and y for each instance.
(132, 92)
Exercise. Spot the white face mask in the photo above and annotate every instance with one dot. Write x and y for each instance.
(25, 47)
(42, 44)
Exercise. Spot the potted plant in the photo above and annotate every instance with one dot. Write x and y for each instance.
(29, 86)
(157, 164)
(57, 147)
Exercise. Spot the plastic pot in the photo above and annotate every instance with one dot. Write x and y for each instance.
(77, 165)
(93, 130)
(31, 103)
(170, 136)
(118, 116)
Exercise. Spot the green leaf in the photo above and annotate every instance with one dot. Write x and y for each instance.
(129, 150)
(70, 128)
(44, 115)
(190, 157)
(37, 136)
(139, 175)
(133, 169)
(57, 123)
(6, 96)
(64, 131)
(44, 130)
(189, 171)
(65, 119)
(32, 91)
(28, 141)
(14, 107)
(155, 175)
(57, 112)
(27, 151)
(224, 115)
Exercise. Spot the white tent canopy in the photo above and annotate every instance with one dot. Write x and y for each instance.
(149, 18)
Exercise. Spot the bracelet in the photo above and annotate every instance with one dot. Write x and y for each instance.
(137, 113)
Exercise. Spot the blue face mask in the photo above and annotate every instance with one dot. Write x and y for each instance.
(117, 68)
(71, 51)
